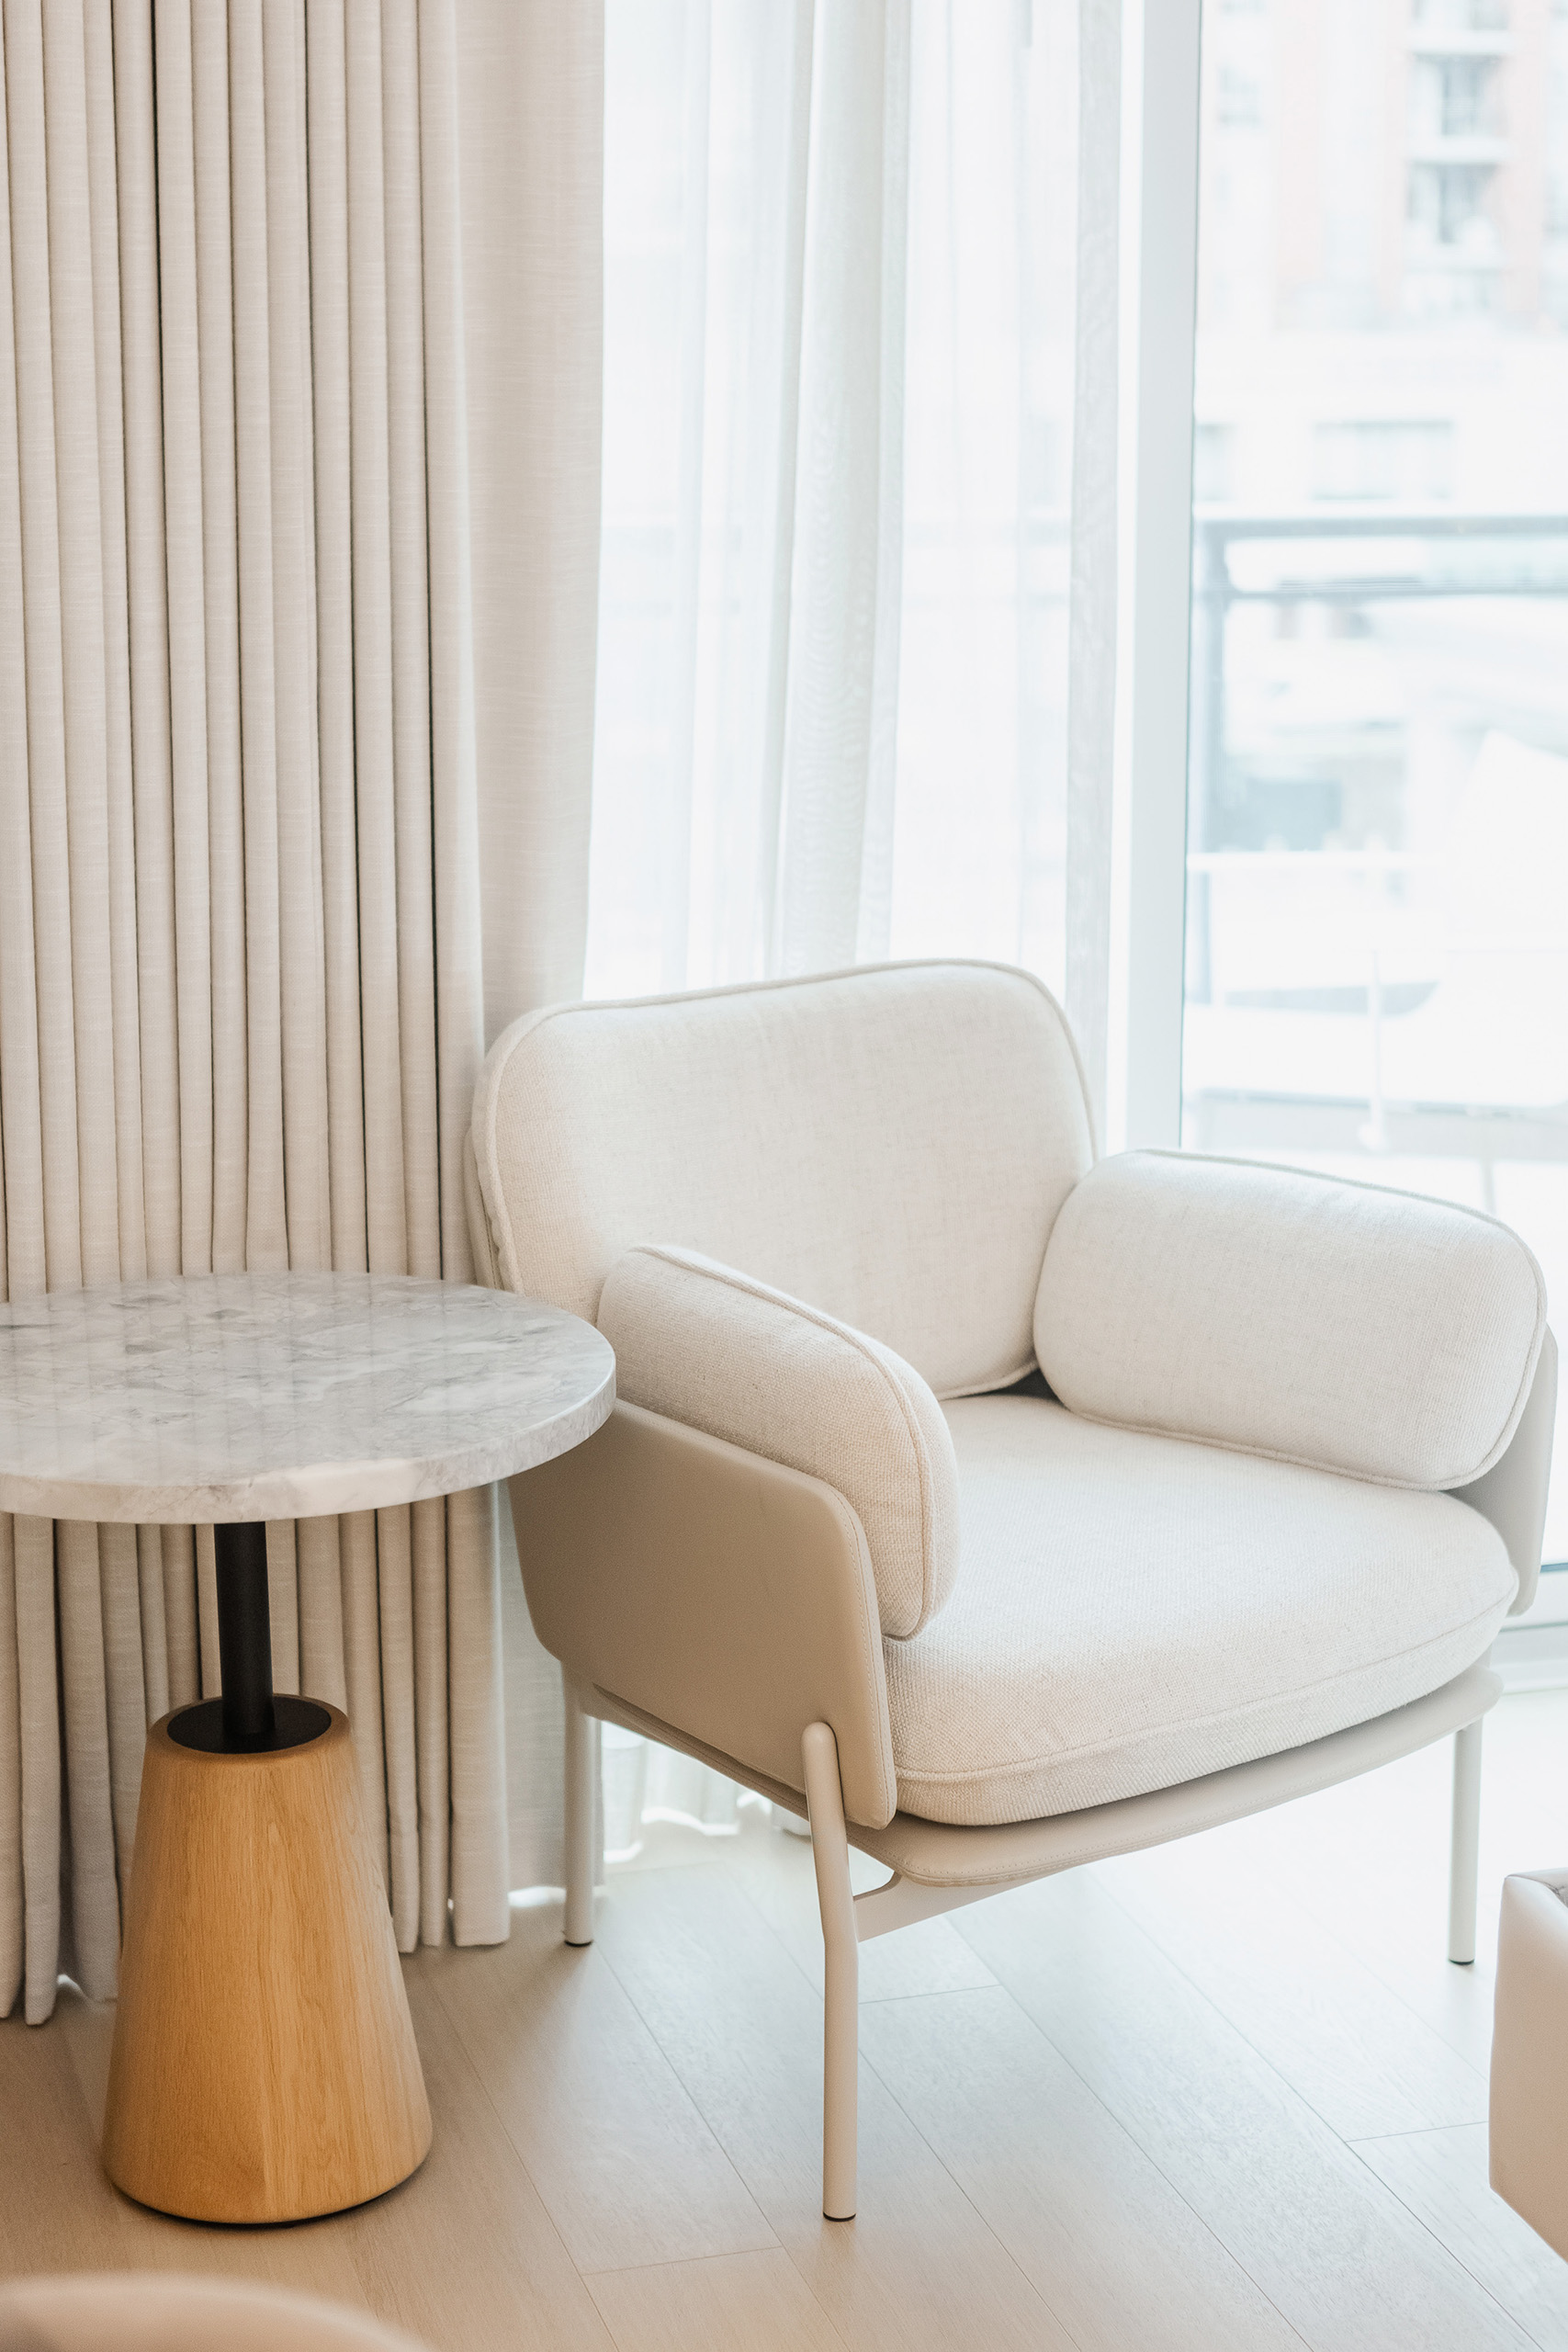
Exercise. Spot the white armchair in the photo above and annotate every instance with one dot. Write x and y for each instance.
(1004, 1510)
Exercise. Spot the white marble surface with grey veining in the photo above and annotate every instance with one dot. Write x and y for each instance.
(246, 1396)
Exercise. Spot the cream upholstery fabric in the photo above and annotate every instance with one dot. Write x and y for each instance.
(1334, 1324)
(709, 1346)
(298, 533)
(1135, 1611)
(891, 1143)
(129, 2312)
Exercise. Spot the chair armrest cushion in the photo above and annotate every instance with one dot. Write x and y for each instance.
(1369, 1332)
(706, 1345)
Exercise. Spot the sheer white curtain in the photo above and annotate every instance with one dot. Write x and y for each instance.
(858, 589)
(300, 330)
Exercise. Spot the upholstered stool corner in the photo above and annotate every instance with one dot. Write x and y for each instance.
(1529, 2054)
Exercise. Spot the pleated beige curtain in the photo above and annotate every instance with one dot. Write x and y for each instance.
(299, 523)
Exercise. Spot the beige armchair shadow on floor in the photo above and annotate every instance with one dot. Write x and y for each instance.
(1004, 1509)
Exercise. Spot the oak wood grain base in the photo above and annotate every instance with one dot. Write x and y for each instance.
(264, 2066)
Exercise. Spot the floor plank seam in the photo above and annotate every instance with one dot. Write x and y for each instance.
(1003, 2250)
(1291, 2093)
(1148, 2156)
(594, 1957)
(1240, 2030)
(739, 1884)
(681, 2261)
(1417, 2132)
(826, 2317)
(1421, 2223)
(475, 2071)
(1282, 1892)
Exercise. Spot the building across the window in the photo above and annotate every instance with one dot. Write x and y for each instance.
(1385, 204)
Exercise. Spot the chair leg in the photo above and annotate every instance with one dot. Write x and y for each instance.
(1465, 1863)
(582, 1790)
(841, 2041)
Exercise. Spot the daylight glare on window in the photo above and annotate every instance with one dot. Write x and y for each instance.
(1377, 974)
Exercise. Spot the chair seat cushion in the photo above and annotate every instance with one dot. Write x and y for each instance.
(1135, 1611)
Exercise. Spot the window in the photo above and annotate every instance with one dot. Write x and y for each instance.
(1383, 458)
(1377, 966)
(1240, 100)
(1214, 464)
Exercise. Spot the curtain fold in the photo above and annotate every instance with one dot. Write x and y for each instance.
(299, 528)
(857, 676)
(857, 631)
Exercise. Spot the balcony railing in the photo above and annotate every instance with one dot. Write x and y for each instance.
(1336, 901)
(1411, 555)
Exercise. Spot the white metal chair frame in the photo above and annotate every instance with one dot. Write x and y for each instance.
(1037, 1850)
(716, 1599)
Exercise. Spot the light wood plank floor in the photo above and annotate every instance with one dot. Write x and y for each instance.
(1224, 2098)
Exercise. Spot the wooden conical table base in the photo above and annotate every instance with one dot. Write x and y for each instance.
(264, 2066)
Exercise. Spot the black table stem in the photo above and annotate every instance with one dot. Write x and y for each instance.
(245, 1634)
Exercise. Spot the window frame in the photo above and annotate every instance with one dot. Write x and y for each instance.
(1164, 39)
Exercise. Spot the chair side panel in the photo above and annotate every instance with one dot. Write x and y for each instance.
(727, 1595)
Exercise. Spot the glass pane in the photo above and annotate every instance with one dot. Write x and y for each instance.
(1377, 978)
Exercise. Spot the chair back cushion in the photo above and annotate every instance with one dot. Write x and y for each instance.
(891, 1145)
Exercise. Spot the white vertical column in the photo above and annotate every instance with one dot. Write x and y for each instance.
(1157, 711)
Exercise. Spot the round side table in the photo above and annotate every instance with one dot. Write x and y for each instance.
(263, 2065)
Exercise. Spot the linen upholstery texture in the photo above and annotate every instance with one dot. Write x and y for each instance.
(891, 1145)
(1135, 1611)
(1339, 1325)
(709, 1346)
(298, 507)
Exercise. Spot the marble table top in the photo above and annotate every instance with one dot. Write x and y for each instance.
(246, 1396)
